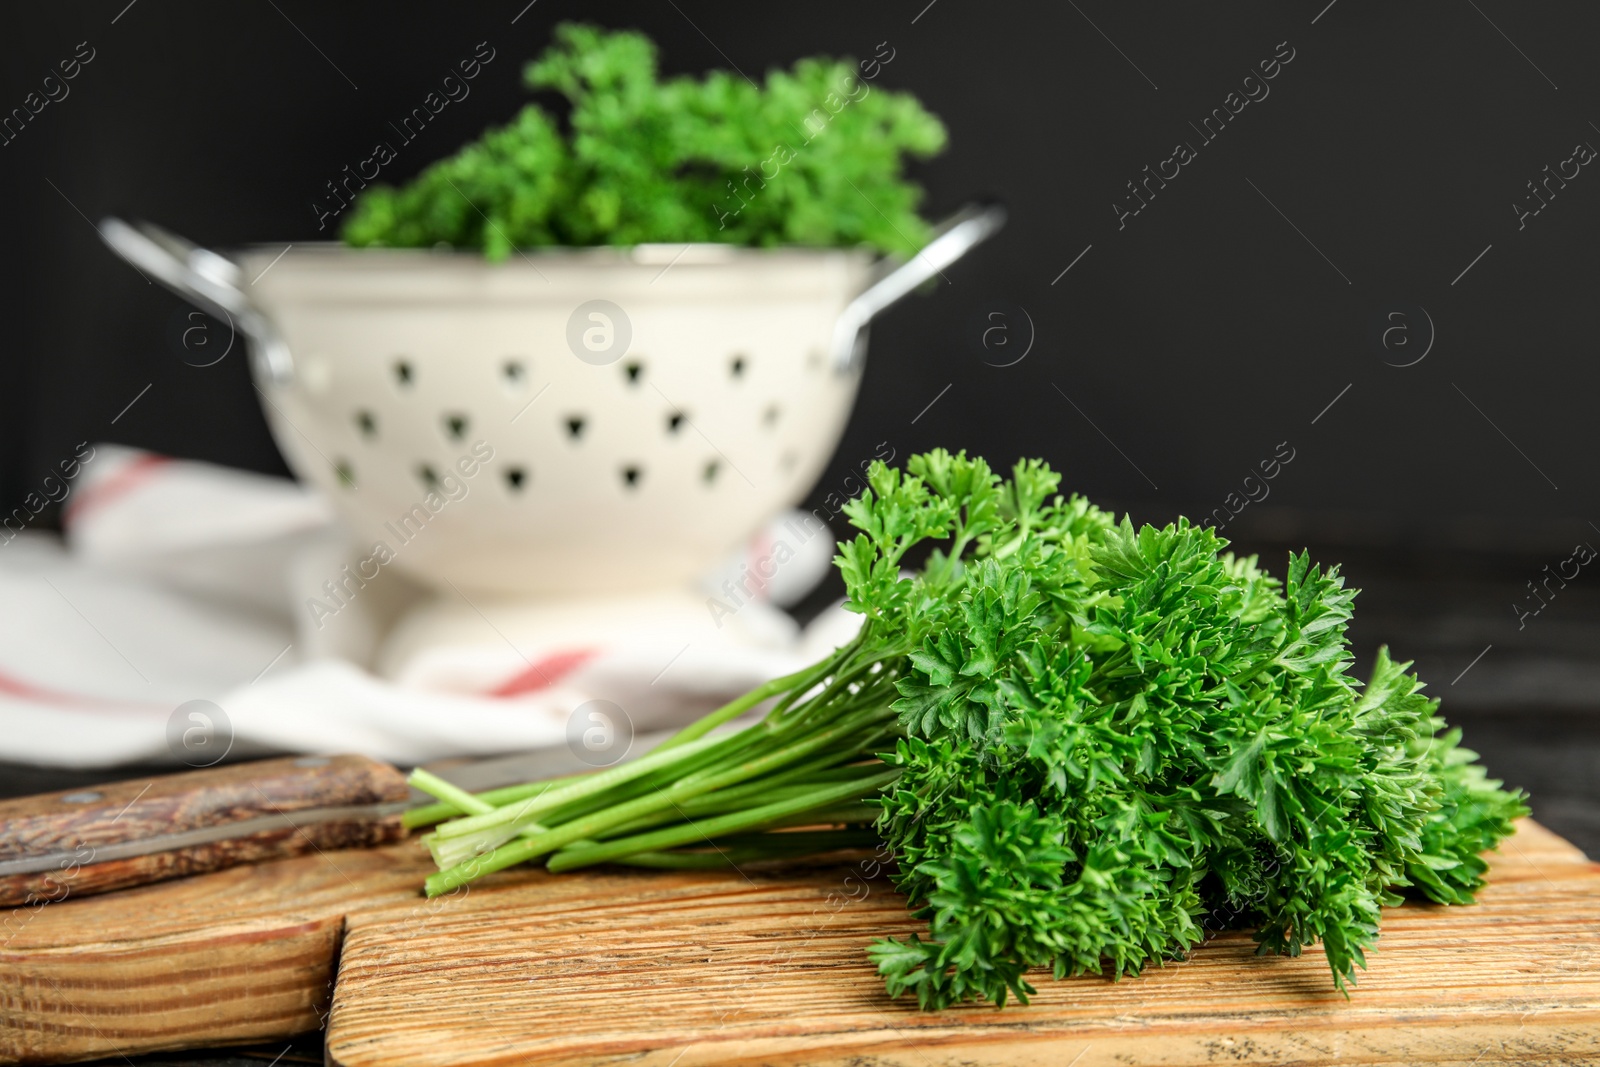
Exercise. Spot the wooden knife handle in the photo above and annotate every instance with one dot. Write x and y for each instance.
(129, 833)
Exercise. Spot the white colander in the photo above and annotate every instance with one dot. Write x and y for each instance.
(570, 420)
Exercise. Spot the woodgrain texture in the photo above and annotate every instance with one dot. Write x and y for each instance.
(681, 970)
(84, 826)
(709, 968)
(74, 880)
(237, 955)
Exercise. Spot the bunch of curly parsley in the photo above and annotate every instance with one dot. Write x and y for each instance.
(1093, 740)
(813, 157)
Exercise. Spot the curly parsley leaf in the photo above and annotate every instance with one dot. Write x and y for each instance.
(814, 156)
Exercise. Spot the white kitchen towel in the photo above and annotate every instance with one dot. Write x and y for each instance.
(179, 581)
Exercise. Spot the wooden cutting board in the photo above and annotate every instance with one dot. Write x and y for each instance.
(679, 970)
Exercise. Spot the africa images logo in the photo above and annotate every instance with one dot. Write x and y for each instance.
(1402, 334)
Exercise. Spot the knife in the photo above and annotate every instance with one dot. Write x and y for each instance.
(83, 841)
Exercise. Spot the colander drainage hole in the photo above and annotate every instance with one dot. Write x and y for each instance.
(675, 421)
(631, 476)
(346, 476)
(634, 370)
(367, 423)
(403, 372)
(455, 426)
(516, 477)
(710, 473)
(770, 416)
(575, 425)
(516, 374)
(736, 368)
(429, 477)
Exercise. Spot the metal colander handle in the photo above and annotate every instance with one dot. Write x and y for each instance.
(205, 279)
(953, 238)
(211, 282)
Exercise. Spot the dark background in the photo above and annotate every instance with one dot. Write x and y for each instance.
(1176, 353)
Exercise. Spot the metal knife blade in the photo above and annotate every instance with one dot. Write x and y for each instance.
(84, 841)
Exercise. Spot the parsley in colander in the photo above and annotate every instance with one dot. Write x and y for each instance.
(1091, 742)
(811, 157)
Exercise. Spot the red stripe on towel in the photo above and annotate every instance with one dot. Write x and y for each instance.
(16, 687)
(545, 673)
(129, 477)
